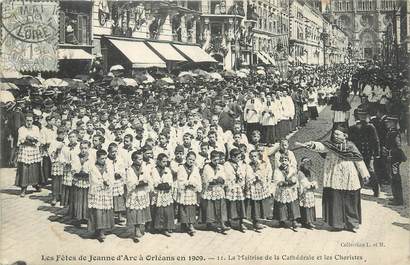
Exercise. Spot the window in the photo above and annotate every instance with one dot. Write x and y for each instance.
(75, 23)
(74, 28)
(194, 5)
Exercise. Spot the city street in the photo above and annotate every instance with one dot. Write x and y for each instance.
(35, 230)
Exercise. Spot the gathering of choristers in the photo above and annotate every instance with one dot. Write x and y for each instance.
(217, 154)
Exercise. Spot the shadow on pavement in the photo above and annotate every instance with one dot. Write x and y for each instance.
(79, 231)
(402, 225)
(12, 191)
(43, 198)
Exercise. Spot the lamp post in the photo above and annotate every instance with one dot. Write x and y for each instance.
(324, 37)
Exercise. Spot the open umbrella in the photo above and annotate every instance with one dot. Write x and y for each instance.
(116, 82)
(168, 80)
(245, 70)
(82, 77)
(241, 74)
(201, 73)
(117, 67)
(8, 86)
(28, 80)
(216, 76)
(10, 74)
(261, 72)
(228, 74)
(6, 96)
(149, 79)
(185, 78)
(55, 82)
(140, 77)
(186, 73)
(130, 82)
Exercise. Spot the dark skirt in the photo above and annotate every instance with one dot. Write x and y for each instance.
(307, 215)
(269, 134)
(119, 203)
(65, 195)
(78, 206)
(294, 123)
(396, 188)
(57, 186)
(287, 127)
(313, 114)
(236, 209)
(259, 209)
(341, 208)
(214, 211)
(283, 128)
(286, 211)
(187, 214)
(138, 217)
(100, 219)
(163, 217)
(279, 130)
(304, 118)
(29, 174)
(46, 169)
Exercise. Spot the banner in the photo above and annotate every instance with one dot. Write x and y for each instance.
(29, 39)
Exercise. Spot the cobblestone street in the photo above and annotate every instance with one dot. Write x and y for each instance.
(33, 231)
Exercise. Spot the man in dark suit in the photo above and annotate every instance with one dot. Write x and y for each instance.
(364, 136)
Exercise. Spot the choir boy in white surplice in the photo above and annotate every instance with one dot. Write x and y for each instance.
(139, 186)
(235, 174)
(118, 191)
(162, 199)
(213, 202)
(286, 195)
(80, 170)
(269, 121)
(189, 184)
(100, 200)
(252, 114)
(258, 193)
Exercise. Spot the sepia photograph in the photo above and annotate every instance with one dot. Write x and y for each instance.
(204, 132)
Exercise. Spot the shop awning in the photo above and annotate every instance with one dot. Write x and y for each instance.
(74, 54)
(262, 58)
(195, 53)
(270, 59)
(139, 54)
(167, 51)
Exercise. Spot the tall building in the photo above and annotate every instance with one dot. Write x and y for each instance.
(313, 39)
(246, 32)
(364, 21)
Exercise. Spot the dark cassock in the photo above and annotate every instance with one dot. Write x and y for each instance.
(343, 175)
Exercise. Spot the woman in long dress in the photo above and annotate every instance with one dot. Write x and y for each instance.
(343, 176)
(29, 159)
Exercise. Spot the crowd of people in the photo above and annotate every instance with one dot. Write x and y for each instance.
(214, 152)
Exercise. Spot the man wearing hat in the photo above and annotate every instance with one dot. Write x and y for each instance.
(364, 136)
(392, 139)
(15, 119)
